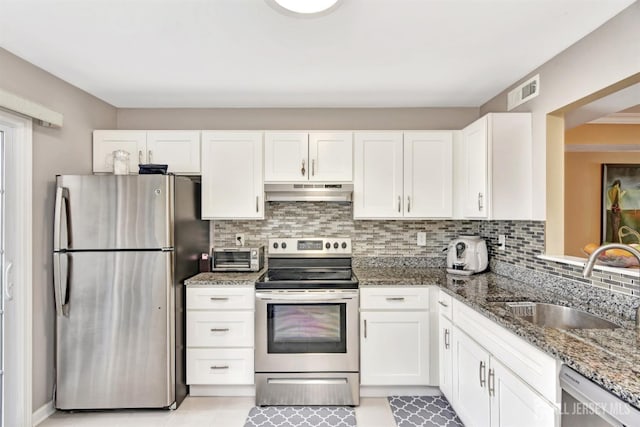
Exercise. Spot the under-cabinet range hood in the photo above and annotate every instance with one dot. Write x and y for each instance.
(309, 192)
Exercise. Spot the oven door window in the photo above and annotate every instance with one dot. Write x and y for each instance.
(306, 328)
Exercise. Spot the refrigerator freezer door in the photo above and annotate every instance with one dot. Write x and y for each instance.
(115, 337)
(95, 212)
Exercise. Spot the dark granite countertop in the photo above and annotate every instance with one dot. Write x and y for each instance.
(224, 279)
(610, 358)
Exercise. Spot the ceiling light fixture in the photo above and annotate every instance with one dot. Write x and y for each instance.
(305, 7)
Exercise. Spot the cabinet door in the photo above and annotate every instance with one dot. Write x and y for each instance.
(394, 348)
(514, 404)
(179, 150)
(105, 142)
(470, 370)
(286, 156)
(331, 156)
(377, 178)
(428, 174)
(232, 185)
(475, 147)
(445, 357)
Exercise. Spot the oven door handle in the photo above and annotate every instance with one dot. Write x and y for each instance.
(302, 298)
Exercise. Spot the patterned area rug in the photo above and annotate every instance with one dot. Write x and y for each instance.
(301, 416)
(423, 411)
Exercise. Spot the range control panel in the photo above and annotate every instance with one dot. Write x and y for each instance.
(310, 246)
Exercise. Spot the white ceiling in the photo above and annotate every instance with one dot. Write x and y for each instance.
(243, 53)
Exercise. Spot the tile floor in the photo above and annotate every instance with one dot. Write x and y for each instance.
(205, 412)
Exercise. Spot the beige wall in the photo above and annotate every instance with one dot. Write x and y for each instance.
(55, 151)
(297, 118)
(583, 179)
(602, 58)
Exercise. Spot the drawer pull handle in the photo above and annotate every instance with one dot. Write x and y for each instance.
(219, 329)
(483, 374)
(446, 339)
(395, 298)
(492, 382)
(220, 367)
(365, 328)
(219, 298)
(443, 304)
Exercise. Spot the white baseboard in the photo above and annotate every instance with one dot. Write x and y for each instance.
(42, 413)
(222, 390)
(384, 391)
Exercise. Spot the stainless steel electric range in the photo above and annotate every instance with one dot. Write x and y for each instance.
(307, 343)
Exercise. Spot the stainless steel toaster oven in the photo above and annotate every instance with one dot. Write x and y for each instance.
(237, 259)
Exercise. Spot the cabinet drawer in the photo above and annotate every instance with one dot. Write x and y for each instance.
(445, 304)
(394, 298)
(220, 298)
(220, 366)
(220, 328)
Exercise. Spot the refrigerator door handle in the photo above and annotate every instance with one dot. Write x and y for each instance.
(61, 270)
(62, 196)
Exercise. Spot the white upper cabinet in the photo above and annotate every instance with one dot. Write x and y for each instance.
(105, 142)
(179, 150)
(474, 164)
(496, 166)
(331, 156)
(400, 175)
(428, 174)
(302, 156)
(377, 177)
(286, 156)
(232, 182)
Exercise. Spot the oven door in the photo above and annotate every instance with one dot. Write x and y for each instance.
(307, 331)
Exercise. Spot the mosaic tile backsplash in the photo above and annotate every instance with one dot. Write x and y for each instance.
(394, 241)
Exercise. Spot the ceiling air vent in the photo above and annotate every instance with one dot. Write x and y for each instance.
(526, 91)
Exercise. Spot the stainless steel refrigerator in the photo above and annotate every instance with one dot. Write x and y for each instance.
(123, 246)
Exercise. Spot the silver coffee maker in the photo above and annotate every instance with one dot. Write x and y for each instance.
(467, 255)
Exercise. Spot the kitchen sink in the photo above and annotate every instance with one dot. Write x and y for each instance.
(558, 316)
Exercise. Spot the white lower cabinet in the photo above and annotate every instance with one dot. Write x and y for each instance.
(470, 392)
(221, 366)
(445, 356)
(220, 336)
(485, 393)
(515, 404)
(394, 337)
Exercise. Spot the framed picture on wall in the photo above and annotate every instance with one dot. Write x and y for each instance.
(620, 203)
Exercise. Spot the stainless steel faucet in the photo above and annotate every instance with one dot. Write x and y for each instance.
(588, 267)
